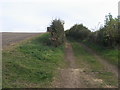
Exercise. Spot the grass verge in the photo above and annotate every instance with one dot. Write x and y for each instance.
(111, 55)
(31, 64)
(93, 65)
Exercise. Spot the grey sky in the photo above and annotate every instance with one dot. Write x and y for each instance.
(36, 15)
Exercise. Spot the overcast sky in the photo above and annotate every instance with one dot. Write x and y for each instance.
(36, 15)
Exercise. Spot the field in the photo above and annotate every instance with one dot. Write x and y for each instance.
(59, 44)
(12, 38)
(33, 63)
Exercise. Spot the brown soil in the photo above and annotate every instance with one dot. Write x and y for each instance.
(74, 76)
(9, 39)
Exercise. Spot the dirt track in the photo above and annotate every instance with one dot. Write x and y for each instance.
(12, 38)
(75, 77)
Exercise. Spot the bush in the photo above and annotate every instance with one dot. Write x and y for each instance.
(108, 35)
(78, 31)
(57, 32)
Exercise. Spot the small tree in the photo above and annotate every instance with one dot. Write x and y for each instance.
(57, 32)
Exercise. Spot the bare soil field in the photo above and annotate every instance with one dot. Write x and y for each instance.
(9, 38)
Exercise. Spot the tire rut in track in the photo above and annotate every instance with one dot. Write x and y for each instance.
(74, 77)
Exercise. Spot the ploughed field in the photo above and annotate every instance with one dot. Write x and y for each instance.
(9, 38)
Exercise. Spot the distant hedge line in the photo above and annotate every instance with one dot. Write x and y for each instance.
(108, 35)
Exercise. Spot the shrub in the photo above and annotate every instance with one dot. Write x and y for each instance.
(78, 31)
(57, 32)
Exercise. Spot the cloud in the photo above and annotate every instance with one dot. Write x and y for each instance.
(36, 15)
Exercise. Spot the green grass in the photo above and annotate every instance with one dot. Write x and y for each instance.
(32, 64)
(85, 56)
(92, 64)
(110, 55)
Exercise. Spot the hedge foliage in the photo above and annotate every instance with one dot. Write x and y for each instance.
(107, 36)
(78, 31)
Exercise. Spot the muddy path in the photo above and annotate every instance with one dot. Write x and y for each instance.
(74, 76)
(12, 38)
